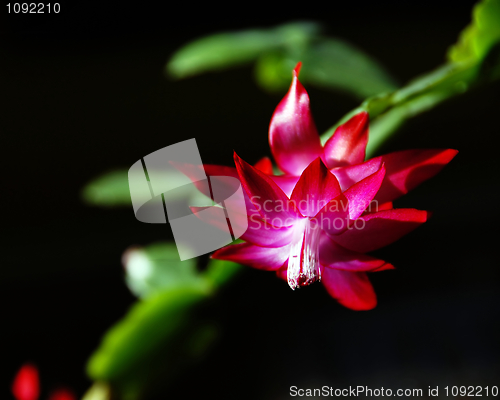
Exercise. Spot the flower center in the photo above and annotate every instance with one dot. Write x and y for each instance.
(303, 263)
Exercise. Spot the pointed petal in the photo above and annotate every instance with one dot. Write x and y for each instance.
(212, 215)
(268, 198)
(220, 170)
(384, 267)
(333, 218)
(335, 256)
(348, 176)
(293, 137)
(213, 171)
(260, 233)
(351, 289)
(408, 169)
(375, 207)
(348, 144)
(269, 259)
(194, 172)
(385, 206)
(315, 188)
(223, 189)
(26, 385)
(285, 182)
(361, 194)
(264, 165)
(373, 231)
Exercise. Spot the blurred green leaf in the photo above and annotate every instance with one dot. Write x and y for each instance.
(219, 272)
(220, 51)
(481, 35)
(390, 110)
(330, 63)
(110, 189)
(335, 64)
(162, 333)
(156, 337)
(223, 50)
(98, 391)
(157, 267)
(273, 71)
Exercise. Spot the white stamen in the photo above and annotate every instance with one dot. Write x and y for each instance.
(303, 263)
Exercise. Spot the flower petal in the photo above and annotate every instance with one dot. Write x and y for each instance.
(285, 182)
(348, 144)
(361, 194)
(260, 233)
(348, 176)
(293, 137)
(351, 289)
(375, 207)
(225, 187)
(269, 259)
(335, 256)
(26, 385)
(315, 188)
(408, 169)
(264, 165)
(220, 170)
(212, 215)
(385, 206)
(333, 218)
(373, 231)
(274, 206)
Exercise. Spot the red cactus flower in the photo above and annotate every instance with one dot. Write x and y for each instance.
(316, 222)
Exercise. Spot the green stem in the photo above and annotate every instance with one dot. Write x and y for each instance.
(388, 111)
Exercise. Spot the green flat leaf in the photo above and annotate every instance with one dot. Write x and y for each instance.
(163, 333)
(328, 63)
(389, 111)
(156, 268)
(220, 51)
(223, 50)
(154, 340)
(273, 71)
(220, 272)
(110, 189)
(338, 65)
(481, 35)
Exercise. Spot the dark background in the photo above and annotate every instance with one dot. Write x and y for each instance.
(84, 91)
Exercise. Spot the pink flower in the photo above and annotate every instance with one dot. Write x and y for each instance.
(316, 222)
(26, 386)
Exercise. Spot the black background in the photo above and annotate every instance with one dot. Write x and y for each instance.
(84, 91)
